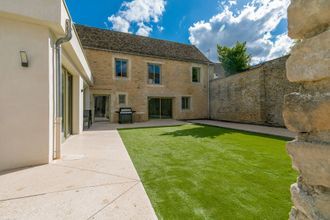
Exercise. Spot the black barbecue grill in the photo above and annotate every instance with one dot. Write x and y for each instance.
(125, 115)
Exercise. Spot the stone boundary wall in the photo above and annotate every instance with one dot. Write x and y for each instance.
(255, 96)
(307, 112)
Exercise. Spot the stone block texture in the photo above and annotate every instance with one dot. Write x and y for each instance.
(307, 112)
(310, 59)
(254, 96)
(175, 82)
(237, 98)
(309, 157)
(310, 202)
(308, 17)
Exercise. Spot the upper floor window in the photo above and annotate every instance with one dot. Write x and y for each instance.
(121, 68)
(185, 103)
(154, 74)
(196, 74)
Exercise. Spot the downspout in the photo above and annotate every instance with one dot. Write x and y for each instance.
(208, 86)
(208, 92)
(58, 67)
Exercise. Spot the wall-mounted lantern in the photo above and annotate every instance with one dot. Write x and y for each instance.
(24, 59)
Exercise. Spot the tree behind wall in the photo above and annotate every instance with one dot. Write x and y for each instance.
(235, 59)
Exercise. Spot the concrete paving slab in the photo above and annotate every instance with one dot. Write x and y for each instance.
(95, 171)
(128, 207)
(282, 132)
(113, 167)
(50, 178)
(74, 204)
(104, 151)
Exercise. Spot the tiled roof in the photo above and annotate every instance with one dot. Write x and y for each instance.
(128, 43)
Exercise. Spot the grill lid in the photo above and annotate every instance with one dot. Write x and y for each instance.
(126, 110)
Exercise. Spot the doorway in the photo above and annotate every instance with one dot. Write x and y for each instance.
(67, 93)
(160, 108)
(101, 108)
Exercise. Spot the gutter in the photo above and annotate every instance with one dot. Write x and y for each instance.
(58, 87)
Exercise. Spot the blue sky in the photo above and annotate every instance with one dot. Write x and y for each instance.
(204, 23)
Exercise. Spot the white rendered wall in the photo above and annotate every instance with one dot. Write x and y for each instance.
(25, 95)
(77, 105)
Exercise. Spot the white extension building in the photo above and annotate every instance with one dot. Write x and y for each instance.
(31, 129)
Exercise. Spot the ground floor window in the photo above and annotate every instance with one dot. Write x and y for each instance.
(122, 100)
(185, 103)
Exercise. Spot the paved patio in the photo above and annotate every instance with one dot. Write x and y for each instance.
(282, 132)
(95, 179)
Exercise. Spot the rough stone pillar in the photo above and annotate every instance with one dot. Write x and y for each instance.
(308, 112)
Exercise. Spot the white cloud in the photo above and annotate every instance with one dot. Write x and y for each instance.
(119, 23)
(253, 24)
(281, 46)
(143, 30)
(140, 13)
(232, 2)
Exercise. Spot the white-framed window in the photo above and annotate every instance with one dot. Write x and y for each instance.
(122, 99)
(154, 73)
(196, 75)
(185, 103)
(121, 68)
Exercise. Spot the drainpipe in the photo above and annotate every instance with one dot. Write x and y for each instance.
(208, 85)
(208, 92)
(58, 67)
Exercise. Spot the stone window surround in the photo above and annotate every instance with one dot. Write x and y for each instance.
(129, 65)
(190, 102)
(200, 74)
(161, 72)
(126, 99)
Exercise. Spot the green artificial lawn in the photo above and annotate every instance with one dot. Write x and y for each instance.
(204, 172)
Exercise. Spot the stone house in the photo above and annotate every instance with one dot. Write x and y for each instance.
(158, 79)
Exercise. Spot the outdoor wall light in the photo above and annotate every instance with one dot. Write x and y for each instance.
(24, 58)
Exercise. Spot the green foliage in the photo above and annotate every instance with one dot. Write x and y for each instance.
(235, 59)
(204, 172)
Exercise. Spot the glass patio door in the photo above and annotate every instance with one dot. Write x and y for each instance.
(66, 103)
(160, 108)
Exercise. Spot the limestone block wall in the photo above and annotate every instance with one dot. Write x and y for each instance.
(175, 82)
(254, 96)
(307, 112)
(237, 98)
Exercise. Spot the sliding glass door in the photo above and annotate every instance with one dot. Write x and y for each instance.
(66, 103)
(160, 108)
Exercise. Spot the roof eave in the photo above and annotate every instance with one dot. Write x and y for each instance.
(149, 55)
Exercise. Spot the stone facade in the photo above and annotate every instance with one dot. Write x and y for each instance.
(307, 111)
(255, 96)
(176, 82)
